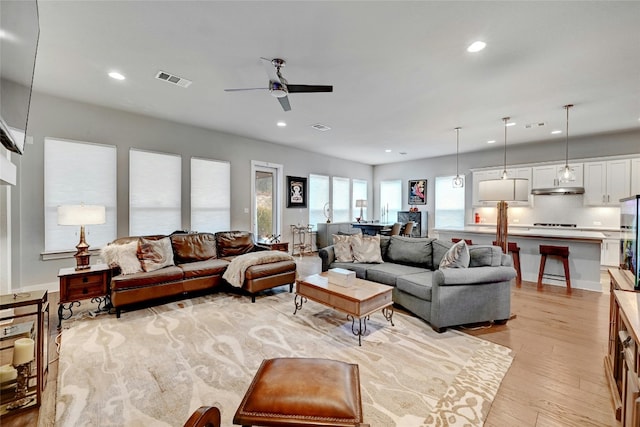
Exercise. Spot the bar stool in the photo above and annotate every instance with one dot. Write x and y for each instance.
(559, 251)
(515, 255)
(456, 240)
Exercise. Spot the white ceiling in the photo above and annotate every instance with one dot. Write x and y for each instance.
(402, 77)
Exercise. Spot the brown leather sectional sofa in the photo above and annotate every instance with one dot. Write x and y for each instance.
(200, 260)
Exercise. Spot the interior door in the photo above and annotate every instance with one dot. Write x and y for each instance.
(266, 217)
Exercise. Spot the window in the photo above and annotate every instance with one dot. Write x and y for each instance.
(78, 173)
(340, 204)
(390, 200)
(449, 208)
(318, 198)
(210, 195)
(359, 192)
(154, 193)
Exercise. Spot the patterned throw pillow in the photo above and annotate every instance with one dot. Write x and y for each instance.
(155, 254)
(456, 257)
(124, 256)
(366, 248)
(342, 248)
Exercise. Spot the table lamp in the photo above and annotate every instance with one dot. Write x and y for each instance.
(361, 203)
(503, 191)
(81, 215)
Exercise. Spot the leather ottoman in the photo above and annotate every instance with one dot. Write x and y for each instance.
(302, 392)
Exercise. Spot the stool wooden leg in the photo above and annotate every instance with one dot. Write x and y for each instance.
(543, 261)
(567, 275)
(516, 263)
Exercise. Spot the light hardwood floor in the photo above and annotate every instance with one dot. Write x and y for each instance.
(557, 376)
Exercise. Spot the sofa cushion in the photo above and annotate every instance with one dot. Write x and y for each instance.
(359, 268)
(440, 247)
(167, 274)
(384, 245)
(155, 254)
(485, 256)
(124, 256)
(193, 247)
(418, 285)
(387, 273)
(231, 243)
(456, 257)
(342, 247)
(264, 270)
(210, 267)
(366, 248)
(410, 251)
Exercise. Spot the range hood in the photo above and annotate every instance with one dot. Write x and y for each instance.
(554, 191)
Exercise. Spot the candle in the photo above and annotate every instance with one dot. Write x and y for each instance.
(22, 351)
(7, 373)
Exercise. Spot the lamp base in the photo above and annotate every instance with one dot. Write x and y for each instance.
(83, 255)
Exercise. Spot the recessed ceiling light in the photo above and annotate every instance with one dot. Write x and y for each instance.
(116, 75)
(387, 151)
(491, 141)
(476, 46)
(281, 124)
(555, 132)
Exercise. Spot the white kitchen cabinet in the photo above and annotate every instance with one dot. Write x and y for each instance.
(610, 253)
(547, 176)
(635, 176)
(483, 176)
(606, 182)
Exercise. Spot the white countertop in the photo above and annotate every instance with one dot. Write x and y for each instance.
(523, 231)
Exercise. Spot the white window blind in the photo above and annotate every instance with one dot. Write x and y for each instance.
(390, 200)
(449, 206)
(154, 193)
(78, 173)
(318, 198)
(359, 192)
(341, 200)
(210, 195)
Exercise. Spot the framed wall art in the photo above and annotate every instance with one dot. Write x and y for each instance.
(296, 192)
(417, 191)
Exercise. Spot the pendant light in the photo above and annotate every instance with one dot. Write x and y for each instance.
(566, 174)
(458, 181)
(504, 171)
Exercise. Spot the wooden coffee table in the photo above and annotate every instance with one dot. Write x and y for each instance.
(358, 301)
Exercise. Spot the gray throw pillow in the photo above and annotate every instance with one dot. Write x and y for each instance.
(410, 251)
(485, 256)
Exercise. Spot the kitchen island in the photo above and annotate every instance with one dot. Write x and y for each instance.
(584, 251)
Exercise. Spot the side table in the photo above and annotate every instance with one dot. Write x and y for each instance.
(279, 246)
(76, 285)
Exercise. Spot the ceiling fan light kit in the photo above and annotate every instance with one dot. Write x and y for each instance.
(278, 85)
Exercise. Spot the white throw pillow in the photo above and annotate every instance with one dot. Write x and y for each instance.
(155, 254)
(342, 248)
(366, 248)
(124, 256)
(456, 257)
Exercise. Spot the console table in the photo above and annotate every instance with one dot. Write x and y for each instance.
(622, 361)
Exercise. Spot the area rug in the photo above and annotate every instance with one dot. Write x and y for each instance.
(155, 366)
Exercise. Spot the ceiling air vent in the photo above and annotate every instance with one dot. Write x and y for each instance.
(534, 125)
(321, 127)
(179, 81)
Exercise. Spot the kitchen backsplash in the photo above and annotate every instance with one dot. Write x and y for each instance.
(565, 209)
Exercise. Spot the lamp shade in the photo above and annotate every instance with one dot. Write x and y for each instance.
(361, 203)
(81, 215)
(505, 190)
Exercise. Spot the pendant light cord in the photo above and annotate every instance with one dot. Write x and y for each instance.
(457, 149)
(566, 163)
(504, 171)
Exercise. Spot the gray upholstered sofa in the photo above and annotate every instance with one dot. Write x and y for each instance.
(443, 297)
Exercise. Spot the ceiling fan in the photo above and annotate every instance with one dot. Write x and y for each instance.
(278, 85)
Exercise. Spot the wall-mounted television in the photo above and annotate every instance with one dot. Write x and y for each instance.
(630, 237)
(19, 34)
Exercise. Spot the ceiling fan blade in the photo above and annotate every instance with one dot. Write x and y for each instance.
(284, 101)
(308, 88)
(270, 69)
(246, 88)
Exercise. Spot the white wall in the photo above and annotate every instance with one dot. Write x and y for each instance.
(61, 118)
